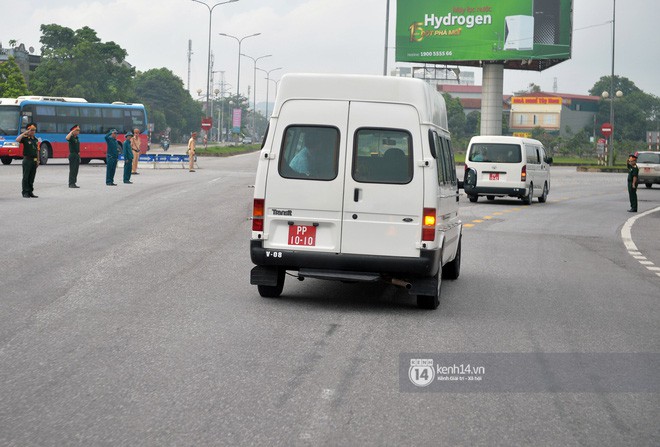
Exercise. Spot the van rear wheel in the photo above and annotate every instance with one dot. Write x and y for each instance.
(473, 198)
(273, 291)
(527, 200)
(452, 269)
(490, 197)
(544, 196)
(648, 185)
(431, 302)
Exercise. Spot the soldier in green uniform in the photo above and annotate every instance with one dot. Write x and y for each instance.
(74, 155)
(633, 175)
(30, 158)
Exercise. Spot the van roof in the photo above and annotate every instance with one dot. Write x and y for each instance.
(429, 103)
(503, 139)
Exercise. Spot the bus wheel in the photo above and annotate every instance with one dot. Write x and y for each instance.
(44, 153)
(85, 161)
(6, 160)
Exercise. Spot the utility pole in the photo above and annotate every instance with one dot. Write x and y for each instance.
(190, 53)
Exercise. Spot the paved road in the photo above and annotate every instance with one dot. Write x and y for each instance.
(127, 318)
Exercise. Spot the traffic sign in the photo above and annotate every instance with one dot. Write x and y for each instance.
(606, 129)
(207, 123)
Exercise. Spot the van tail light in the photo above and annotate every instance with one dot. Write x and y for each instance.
(523, 173)
(258, 209)
(428, 225)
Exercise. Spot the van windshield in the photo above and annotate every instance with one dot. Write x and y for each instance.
(495, 153)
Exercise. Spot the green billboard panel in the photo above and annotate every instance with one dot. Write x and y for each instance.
(523, 34)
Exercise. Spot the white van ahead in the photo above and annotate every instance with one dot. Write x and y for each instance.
(507, 166)
(356, 182)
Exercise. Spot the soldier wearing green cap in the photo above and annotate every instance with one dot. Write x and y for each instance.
(111, 157)
(30, 159)
(633, 175)
(74, 155)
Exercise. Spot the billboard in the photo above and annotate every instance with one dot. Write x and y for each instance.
(521, 34)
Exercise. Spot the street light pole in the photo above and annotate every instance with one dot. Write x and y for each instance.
(208, 65)
(240, 41)
(610, 161)
(254, 92)
(268, 85)
(387, 28)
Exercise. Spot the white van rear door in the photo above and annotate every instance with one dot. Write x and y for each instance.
(383, 198)
(305, 178)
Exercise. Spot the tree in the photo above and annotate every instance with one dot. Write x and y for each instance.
(455, 115)
(12, 82)
(168, 103)
(77, 63)
(634, 113)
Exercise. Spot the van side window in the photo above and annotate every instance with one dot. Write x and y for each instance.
(310, 152)
(452, 162)
(382, 156)
(532, 155)
(445, 161)
(439, 159)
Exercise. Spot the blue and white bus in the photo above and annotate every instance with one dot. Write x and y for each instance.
(54, 116)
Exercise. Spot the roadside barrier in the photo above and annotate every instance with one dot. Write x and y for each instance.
(166, 160)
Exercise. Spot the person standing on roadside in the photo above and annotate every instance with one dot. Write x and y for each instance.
(191, 151)
(30, 159)
(74, 155)
(128, 157)
(135, 147)
(633, 175)
(111, 157)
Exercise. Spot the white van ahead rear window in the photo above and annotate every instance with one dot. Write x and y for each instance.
(310, 152)
(382, 156)
(495, 153)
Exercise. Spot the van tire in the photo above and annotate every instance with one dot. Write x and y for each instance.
(431, 302)
(473, 198)
(273, 291)
(544, 196)
(452, 269)
(490, 197)
(527, 200)
(648, 185)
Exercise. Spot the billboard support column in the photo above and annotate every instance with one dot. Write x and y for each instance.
(491, 101)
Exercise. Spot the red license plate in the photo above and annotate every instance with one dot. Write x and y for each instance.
(494, 176)
(302, 235)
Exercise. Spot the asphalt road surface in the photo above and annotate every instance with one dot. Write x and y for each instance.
(127, 318)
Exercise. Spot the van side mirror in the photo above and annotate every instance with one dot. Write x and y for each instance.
(548, 160)
(470, 178)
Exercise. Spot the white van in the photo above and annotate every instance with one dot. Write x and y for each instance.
(507, 166)
(356, 182)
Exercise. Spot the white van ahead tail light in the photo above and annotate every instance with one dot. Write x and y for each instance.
(428, 224)
(523, 173)
(258, 209)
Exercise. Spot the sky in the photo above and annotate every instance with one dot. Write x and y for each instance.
(323, 36)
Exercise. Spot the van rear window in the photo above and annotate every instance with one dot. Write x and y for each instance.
(495, 153)
(382, 156)
(310, 152)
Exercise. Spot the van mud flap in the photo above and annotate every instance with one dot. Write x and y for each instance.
(264, 276)
(423, 286)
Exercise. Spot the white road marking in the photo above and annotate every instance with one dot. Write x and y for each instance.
(626, 236)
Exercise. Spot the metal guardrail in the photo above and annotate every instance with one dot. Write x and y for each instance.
(165, 160)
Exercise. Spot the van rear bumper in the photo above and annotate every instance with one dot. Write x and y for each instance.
(425, 265)
(496, 191)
